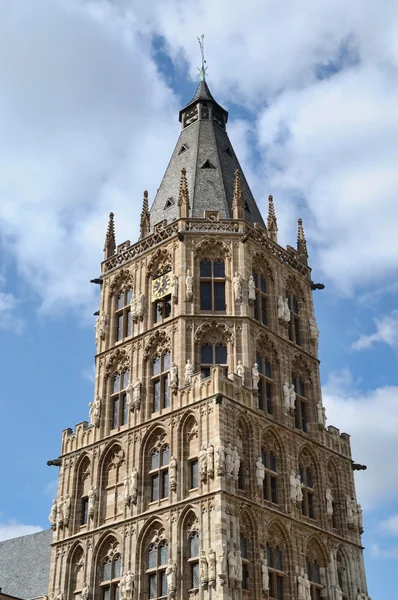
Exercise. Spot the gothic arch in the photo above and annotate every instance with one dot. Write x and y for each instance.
(75, 576)
(212, 249)
(112, 469)
(116, 362)
(158, 343)
(307, 456)
(266, 346)
(81, 485)
(301, 367)
(213, 332)
(189, 424)
(294, 287)
(122, 281)
(156, 435)
(154, 532)
(315, 550)
(261, 264)
(188, 519)
(159, 262)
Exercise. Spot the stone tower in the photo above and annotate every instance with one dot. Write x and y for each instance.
(207, 471)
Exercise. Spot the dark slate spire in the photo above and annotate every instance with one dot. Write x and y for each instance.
(205, 152)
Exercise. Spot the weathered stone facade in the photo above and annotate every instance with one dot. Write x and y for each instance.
(201, 523)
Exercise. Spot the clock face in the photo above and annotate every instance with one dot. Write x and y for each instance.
(161, 286)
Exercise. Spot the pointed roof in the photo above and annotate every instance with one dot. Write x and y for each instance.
(205, 151)
(110, 240)
(301, 243)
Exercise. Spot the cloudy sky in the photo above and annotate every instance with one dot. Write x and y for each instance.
(89, 99)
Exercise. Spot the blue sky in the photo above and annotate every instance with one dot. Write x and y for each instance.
(89, 99)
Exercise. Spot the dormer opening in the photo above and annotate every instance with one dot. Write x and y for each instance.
(207, 165)
(169, 202)
(183, 148)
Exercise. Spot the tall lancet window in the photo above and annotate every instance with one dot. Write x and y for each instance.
(160, 381)
(157, 559)
(119, 400)
(123, 314)
(260, 301)
(111, 571)
(294, 323)
(212, 285)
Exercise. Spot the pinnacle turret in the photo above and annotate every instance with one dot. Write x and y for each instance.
(271, 221)
(110, 241)
(238, 211)
(183, 196)
(145, 223)
(301, 243)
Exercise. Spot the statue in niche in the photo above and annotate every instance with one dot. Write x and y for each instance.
(95, 411)
(202, 461)
(252, 288)
(92, 494)
(354, 506)
(100, 327)
(129, 585)
(188, 286)
(260, 473)
(189, 368)
(228, 460)
(321, 415)
(240, 371)
(134, 485)
(173, 474)
(264, 574)
(221, 564)
(173, 376)
(283, 310)
(126, 489)
(122, 586)
(329, 503)
(134, 307)
(255, 376)
(286, 397)
(338, 593)
(66, 509)
(52, 517)
(60, 512)
(137, 395)
(301, 594)
(292, 397)
(299, 491)
(204, 579)
(129, 395)
(171, 578)
(220, 460)
(239, 566)
(236, 463)
(350, 516)
(210, 460)
(314, 331)
(140, 306)
(85, 592)
(360, 518)
(238, 287)
(211, 561)
(307, 587)
(293, 487)
(174, 289)
(232, 565)
(287, 311)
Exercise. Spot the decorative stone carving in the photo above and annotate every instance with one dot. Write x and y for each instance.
(134, 485)
(238, 287)
(307, 587)
(283, 310)
(301, 595)
(329, 503)
(85, 592)
(171, 573)
(360, 518)
(174, 289)
(210, 460)
(338, 593)
(314, 331)
(255, 376)
(232, 566)
(126, 489)
(173, 474)
(239, 567)
(350, 515)
(240, 371)
(92, 494)
(129, 585)
(66, 509)
(188, 286)
(52, 517)
(299, 491)
(140, 306)
(188, 372)
(221, 564)
(173, 377)
(292, 397)
(100, 327)
(220, 460)
(296, 493)
(203, 566)
(229, 465)
(212, 563)
(95, 411)
(252, 289)
(236, 463)
(264, 574)
(286, 397)
(202, 463)
(137, 395)
(60, 512)
(321, 414)
(260, 473)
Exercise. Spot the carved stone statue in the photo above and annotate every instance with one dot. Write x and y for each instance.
(260, 473)
(220, 460)
(122, 586)
(129, 584)
(221, 564)
(264, 574)
(283, 310)
(338, 593)
(232, 565)
(360, 518)
(238, 287)
(189, 368)
(66, 509)
(137, 395)
(173, 376)
(211, 561)
(307, 587)
(100, 327)
(236, 463)
(350, 516)
(240, 370)
(173, 474)
(126, 489)
(141, 306)
(314, 331)
(252, 288)
(129, 395)
(255, 376)
(292, 397)
(301, 595)
(329, 503)
(171, 578)
(95, 411)
(293, 487)
(188, 286)
(354, 509)
(321, 415)
(239, 566)
(287, 311)
(202, 463)
(134, 485)
(85, 592)
(210, 460)
(134, 307)
(204, 578)
(174, 289)
(229, 465)
(299, 491)
(60, 512)
(92, 494)
(286, 397)
(52, 517)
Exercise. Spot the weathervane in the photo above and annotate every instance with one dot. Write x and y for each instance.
(203, 69)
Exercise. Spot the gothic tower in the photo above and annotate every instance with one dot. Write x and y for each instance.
(207, 471)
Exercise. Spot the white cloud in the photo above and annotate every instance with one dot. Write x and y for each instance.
(386, 331)
(378, 551)
(371, 418)
(8, 318)
(390, 525)
(13, 529)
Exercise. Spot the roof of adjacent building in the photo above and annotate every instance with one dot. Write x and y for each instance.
(205, 151)
(25, 565)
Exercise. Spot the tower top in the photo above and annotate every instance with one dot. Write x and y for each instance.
(203, 68)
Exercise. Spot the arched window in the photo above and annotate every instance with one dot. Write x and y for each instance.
(159, 473)
(270, 484)
(342, 574)
(112, 493)
(300, 406)
(160, 382)
(245, 562)
(110, 578)
(119, 399)
(306, 478)
(123, 314)
(76, 566)
(210, 355)
(276, 572)
(83, 486)
(294, 323)
(212, 285)
(260, 301)
(264, 393)
(157, 559)
(314, 575)
(193, 560)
